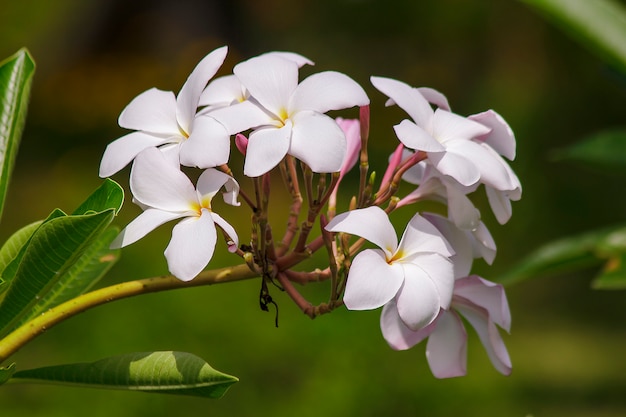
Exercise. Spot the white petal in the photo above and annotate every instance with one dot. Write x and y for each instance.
(227, 228)
(441, 271)
(222, 91)
(463, 251)
(189, 95)
(416, 138)
(456, 166)
(208, 145)
(434, 97)
(421, 236)
(152, 111)
(270, 80)
(395, 332)
(291, 56)
(446, 349)
(501, 137)
(493, 169)
(326, 91)
(461, 209)
(408, 98)
(484, 245)
(418, 300)
(489, 336)
(266, 148)
(450, 126)
(318, 141)
(121, 151)
(210, 182)
(500, 204)
(155, 182)
(192, 246)
(143, 224)
(488, 295)
(371, 223)
(372, 282)
(242, 116)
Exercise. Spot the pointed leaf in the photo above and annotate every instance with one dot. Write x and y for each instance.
(162, 372)
(605, 150)
(83, 274)
(11, 249)
(599, 24)
(109, 195)
(16, 74)
(53, 249)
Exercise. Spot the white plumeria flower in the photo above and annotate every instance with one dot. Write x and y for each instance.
(288, 117)
(227, 90)
(502, 141)
(165, 193)
(416, 273)
(164, 120)
(445, 136)
(482, 303)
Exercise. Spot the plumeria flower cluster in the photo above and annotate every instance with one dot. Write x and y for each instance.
(423, 281)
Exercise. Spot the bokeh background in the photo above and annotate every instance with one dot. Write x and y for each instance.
(567, 342)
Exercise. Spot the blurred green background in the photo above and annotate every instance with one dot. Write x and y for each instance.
(567, 341)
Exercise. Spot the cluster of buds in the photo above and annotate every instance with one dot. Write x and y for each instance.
(423, 282)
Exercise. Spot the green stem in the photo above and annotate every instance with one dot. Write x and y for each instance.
(28, 331)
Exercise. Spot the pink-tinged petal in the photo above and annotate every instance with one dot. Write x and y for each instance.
(441, 272)
(484, 245)
(228, 229)
(189, 95)
(143, 224)
(395, 332)
(501, 137)
(222, 91)
(447, 126)
(156, 183)
(446, 349)
(318, 141)
(242, 116)
(489, 336)
(418, 300)
(494, 171)
(488, 295)
(463, 254)
(191, 247)
(500, 204)
(291, 56)
(456, 166)
(352, 131)
(121, 151)
(208, 145)
(270, 80)
(152, 111)
(372, 282)
(421, 236)
(266, 148)
(461, 209)
(371, 223)
(326, 91)
(407, 98)
(434, 97)
(416, 138)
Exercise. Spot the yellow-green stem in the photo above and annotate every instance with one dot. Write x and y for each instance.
(28, 331)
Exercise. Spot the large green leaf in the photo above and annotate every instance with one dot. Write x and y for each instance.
(83, 274)
(109, 195)
(605, 150)
(12, 247)
(162, 372)
(16, 74)
(594, 248)
(51, 252)
(599, 24)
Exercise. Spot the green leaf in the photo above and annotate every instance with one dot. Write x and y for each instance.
(162, 372)
(571, 253)
(12, 247)
(613, 276)
(6, 373)
(16, 75)
(605, 150)
(109, 195)
(83, 274)
(52, 251)
(599, 24)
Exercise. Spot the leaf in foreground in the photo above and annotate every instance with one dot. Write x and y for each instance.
(161, 372)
